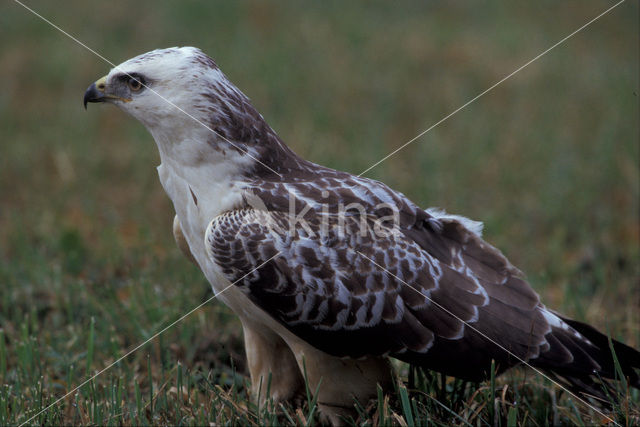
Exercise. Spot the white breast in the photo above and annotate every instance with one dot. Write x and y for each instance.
(221, 195)
(196, 204)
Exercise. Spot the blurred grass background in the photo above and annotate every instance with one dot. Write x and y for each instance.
(549, 161)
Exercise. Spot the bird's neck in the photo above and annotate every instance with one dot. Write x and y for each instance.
(196, 158)
(202, 182)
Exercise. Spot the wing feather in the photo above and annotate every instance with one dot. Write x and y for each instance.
(335, 298)
(432, 292)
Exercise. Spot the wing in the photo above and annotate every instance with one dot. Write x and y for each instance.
(351, 289)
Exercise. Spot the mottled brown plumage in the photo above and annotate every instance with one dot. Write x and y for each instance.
(329, 272)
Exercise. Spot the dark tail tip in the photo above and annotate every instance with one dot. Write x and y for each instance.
(614, 356)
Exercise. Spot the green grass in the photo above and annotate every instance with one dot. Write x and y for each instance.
(88, 268)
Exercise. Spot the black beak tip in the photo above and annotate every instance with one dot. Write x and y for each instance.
(92, 95)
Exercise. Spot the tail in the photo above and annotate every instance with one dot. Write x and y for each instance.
(584, 360)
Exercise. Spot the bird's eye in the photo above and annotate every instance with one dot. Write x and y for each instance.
(134, 84)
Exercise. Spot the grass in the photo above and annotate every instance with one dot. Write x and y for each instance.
(88, 268)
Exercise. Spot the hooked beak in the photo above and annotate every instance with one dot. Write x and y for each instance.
(95, 92)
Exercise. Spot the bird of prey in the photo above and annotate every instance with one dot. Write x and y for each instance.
(331, 274)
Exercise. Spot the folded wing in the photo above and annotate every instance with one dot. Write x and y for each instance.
(351, 288)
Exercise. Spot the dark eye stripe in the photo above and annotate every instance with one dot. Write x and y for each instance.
(126, 77)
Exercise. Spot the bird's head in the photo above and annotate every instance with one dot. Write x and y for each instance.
(189, 106)
(165, 88)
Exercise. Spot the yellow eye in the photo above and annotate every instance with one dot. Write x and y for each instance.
(134, 84)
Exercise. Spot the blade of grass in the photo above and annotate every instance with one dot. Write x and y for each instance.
(311, 399)
(575, 410)
(3, 357)
(491, 393)
(449, 410)
(406, 406)
(512, 417)
(616, 364)
(90, 345)
(382, 416)
(287, 415)
(150, 377)
(138, 397)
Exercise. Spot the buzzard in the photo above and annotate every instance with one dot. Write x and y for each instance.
(330, 273)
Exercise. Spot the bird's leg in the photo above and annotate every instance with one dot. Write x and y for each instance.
(181, 241)
(267, 353)
(339, 380)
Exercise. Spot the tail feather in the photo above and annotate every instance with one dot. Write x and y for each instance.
(592, 363)
(628, 358)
